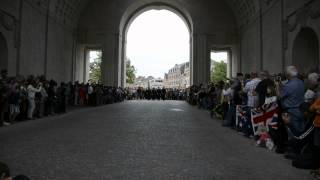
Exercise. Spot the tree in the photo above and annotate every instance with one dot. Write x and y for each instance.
(130, 72)
(219, 71)
(95, 69)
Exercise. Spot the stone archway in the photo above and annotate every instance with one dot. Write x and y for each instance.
(132, 13)
(3, 53)
(305, 54)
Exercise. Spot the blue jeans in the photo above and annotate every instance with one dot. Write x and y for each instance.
(296, 125)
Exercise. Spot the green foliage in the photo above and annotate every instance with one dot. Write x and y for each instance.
(219, 71)
(130, 72)
(95, 69)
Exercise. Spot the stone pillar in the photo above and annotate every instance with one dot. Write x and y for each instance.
(121, 61)
(110, 60)
(200, 60)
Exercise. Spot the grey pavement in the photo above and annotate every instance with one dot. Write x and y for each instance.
(138, 140)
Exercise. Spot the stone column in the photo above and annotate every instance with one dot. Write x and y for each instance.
(200, 60)
(110, 60)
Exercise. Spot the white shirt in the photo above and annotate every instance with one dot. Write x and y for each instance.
(32, 91)
(309, 96)
(227, 92)
(250, 88)
(90, 90)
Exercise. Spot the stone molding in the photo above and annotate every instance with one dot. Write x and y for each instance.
(300, 19)
(8, 22)
(302, 15)
(11, 24)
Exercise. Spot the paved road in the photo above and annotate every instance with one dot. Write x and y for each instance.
(138, 140)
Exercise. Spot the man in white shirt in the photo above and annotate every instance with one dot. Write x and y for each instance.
(250, 90)
(31, 95)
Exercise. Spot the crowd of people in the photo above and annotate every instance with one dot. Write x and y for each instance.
(35, 97)
(281, 112)
(155, 94)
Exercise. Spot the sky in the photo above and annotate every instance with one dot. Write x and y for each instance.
(219, 56)
(93, 55)
(156, 41)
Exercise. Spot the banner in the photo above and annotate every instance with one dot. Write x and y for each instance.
(264, 118)
(242, 116)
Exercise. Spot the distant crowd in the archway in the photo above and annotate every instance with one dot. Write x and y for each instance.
(155, 94)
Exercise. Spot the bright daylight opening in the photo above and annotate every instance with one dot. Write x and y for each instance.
(219, 66)
(95, 59)
(158, 51)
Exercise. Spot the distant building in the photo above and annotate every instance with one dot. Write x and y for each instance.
(148, 82)
(178, 77)
(142, 81)
(156, 83)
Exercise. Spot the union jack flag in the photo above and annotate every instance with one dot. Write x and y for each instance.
(265, 117)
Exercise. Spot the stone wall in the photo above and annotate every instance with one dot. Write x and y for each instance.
(38, 44)
(52, 39)
(299, 15)
(268, 39)
(33, 40)
(9, 13)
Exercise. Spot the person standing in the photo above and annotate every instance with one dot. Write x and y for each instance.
(252, 102)
(292, 96)
(236, 88)
(262, 87)
(249, 88)
(31, 97)
(14, 100)
(3, 97)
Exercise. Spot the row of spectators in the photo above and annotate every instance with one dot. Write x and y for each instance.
(35, 97)
(156, 94)
(281, 112)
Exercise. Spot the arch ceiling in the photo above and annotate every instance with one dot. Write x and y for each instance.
(64, 11)
(244, 10)
(68, 11)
